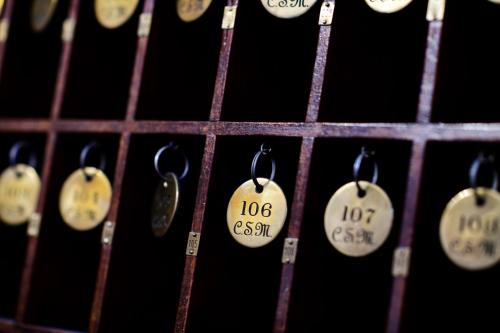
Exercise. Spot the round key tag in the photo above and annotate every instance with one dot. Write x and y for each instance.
(287, 8)
(387, 6)
(358, 217)
(41, 13)
(19, 188)
(191, 10)
(470, 224)
(166, 198)
(112, 14)
(494, 1)
(257, 209)
(85, 197)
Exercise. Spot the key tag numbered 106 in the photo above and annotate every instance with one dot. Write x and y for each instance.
(359, 215)
(85, 197)
(166, 198)
(19, 188)
(257, 209)
(470, 224)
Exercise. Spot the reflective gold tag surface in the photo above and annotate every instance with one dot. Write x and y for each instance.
(165, 204)
(470, 233)
(191, 10)
(387, 6)
(2, 2)
(41, 13)
(84, 203)
(19, 192)
(255, 219)
(113, 13)
(357, 226)
(494, 1)
(287, 8)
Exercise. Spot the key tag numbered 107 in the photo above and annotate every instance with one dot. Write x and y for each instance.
(257, 209)
(359, 215)
(166, 198)
(19, 188)
(470, 224)
(85, 197)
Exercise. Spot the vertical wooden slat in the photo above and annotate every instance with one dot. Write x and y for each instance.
(296, 215)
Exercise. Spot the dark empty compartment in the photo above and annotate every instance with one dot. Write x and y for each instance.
(150, 272)
(469, 67)
(236, 288)
(101, 67)
(375, 64)
(271, 65)
(66, 265)
(439, 292)
(13, 238)
(31, 63)
(329, 288)
(181, 64)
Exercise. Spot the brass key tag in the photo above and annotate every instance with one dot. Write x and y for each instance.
(19, 191)
(112, 14)
(387, 6)
(357, 226)
(191, 10)
(41, 13)
(287, 8)
(470, 232)
(257, 209)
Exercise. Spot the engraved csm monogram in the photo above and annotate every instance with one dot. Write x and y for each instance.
(353, 231)
(287, 8)
(251, 224)
(287, 3)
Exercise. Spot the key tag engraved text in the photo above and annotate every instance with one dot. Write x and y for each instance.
(387, 6)
(359, 215)
(19, 188)
(191, 10)
(112, 14)
(257, 209)
(85, 197)
(470, 224)
(166, 198)
(287, 8)
(41, 13)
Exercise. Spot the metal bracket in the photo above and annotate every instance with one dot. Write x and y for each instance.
(229, 17)
(289, 251)
(435, 10)
(34, 225)
(401, 262)
(68, 30)
(326, 13)
(108, 231)
(4, 30)
(145, 21)
(193, 244)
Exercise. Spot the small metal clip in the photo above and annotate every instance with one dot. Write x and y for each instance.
(68, 30)
(34, 225)
(401, 262)
(145, 21)
(193, 244)
(326, 13)
(4, 30)
(107, 233)
(435, 10)
(289, 251)
(229, 17)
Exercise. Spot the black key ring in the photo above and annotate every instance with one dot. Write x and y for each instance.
(266, 152)
(175, 148)
(84, 155)
(476, 165)
(364, 155)
(14, 155)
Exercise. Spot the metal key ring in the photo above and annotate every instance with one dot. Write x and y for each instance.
(173, 147)
(264, 151)
(364, 155)
(476, 165)
(14, 154)
(84, 155)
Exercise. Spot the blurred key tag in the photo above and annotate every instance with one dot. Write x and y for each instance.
(287, 8)
(112, 14)
(191, 10)
(165, 202)
(387, 6)
(19, 191)
(41, 13)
